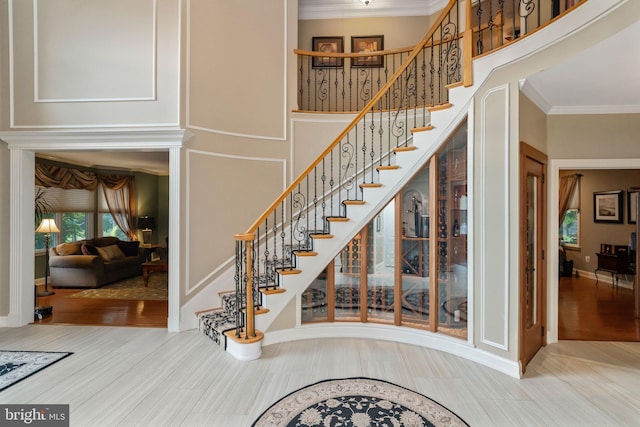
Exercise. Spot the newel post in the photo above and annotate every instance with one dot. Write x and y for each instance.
(245, 342)
(244, 283)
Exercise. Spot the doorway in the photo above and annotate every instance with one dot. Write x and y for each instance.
(532, 287)
(23, 156)
(555, 166)
(601, 310)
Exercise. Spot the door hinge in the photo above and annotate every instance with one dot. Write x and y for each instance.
(543, 331)
(543, 254)
(543, 178)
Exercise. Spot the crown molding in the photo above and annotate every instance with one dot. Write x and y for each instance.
(98, 140)
(337, 9)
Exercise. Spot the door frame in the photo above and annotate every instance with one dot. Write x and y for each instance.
(529, 152)
(555, 166)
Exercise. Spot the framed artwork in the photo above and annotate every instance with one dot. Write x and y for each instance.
(607, 206)
(329, 45)
(632, 207)
(367, 44)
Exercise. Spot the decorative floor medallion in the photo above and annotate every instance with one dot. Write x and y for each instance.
(358, 402)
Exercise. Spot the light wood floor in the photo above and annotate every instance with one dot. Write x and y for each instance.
(121, 376)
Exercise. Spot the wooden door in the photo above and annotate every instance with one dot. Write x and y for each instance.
(532, 257)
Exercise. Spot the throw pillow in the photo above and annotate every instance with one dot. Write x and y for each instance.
(88, 249)
(69, 249)
(129, 248)
(109, 253)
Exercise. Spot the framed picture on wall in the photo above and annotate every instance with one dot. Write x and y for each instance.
(607, 206)
(367, 44)
(329, 45)
(632, 206)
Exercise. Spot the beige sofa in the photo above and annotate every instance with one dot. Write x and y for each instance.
(95, 262)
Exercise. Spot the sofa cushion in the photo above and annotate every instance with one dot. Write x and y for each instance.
(111, 252)
(129, 248)
(73, 248)
(88, 249)
(105, 241)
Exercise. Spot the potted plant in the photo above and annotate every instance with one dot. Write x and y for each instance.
(43, 206)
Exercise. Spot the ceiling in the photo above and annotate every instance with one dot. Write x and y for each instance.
(578, 85)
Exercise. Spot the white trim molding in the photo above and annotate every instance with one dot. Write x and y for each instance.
(23, 146)
(485, 219)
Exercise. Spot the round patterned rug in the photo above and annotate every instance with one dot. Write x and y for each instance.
(357, 402)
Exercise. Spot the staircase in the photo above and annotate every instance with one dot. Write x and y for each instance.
(392, 137)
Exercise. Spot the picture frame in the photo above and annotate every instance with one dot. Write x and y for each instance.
(367, 44)
(632, 207)
(332, 44)
(607, 206)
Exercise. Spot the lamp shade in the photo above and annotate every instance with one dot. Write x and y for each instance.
(48, 226)
(146, 223)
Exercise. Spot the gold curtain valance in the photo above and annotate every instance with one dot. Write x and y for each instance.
(60, 177)
(57, 176)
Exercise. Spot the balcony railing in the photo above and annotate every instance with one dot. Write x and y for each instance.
(390, 101)
(345, 82)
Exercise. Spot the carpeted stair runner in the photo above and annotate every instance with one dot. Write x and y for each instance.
(214, 323)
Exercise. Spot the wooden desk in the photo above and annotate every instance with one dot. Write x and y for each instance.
(615, 264)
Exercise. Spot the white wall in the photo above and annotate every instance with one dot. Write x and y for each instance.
(94, 64)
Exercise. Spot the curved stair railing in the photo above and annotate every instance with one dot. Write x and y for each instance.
(338, 177)
(401, 104)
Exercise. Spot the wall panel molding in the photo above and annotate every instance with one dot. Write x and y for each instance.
(94, 65)
(209, 277)
(110, 76)
(278, 103)
(494, 213)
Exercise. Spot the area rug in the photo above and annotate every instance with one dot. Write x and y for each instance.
(132, 288)
(18, 365)
(358, 402)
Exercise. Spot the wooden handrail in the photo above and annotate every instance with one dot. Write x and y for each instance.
(417, 49)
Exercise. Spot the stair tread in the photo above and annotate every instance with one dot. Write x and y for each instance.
(387, 167)
(321, 236)
(422, 129)
(440, 107)
(370, 185)
(305, 253)
(286, 271)
(337, 218)
(405, 148)
(273, 291)
(354, 202)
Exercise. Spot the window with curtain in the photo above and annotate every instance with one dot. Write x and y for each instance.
(73, 213)
(569, 232)
(106, 223)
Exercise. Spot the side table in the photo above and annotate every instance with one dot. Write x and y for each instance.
(147, 267)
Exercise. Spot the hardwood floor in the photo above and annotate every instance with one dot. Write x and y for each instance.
(595, 313)
(585, 312)
(150, 377)
(107, 312)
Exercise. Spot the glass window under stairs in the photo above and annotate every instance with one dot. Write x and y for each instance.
(408, 266)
